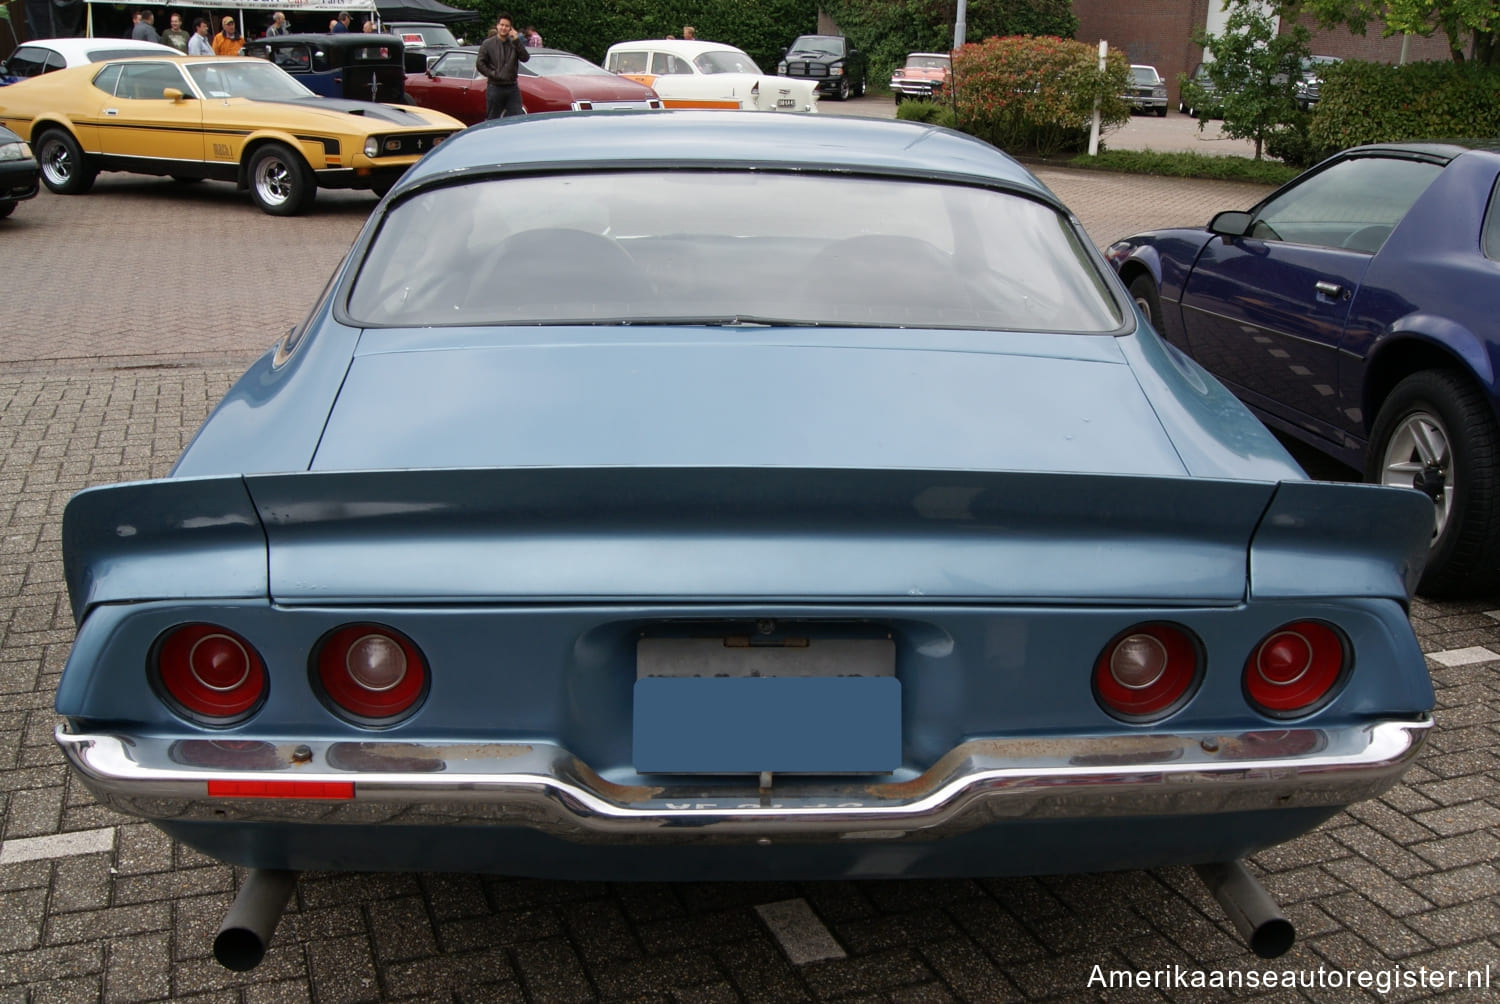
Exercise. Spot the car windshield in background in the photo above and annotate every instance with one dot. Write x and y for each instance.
(547, 64)
(426, 35)
(928, 62)
(246, 78)
(725, 61)
(728, 247)
(826, 46)
(1144, 74)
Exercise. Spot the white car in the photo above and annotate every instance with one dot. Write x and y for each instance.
(32, 59)
(708, 75)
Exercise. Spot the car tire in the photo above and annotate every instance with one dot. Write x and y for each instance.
(6, 208)
(898, 96)
(859, 91)
(844, 89)
(280, 181)
(66, 169)
(1161, 112)
(1143, 292)
(1436, 432)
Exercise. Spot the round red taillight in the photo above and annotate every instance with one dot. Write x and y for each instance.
(1294, 670)
(372, 674)
(1147, 672)
(209, 674)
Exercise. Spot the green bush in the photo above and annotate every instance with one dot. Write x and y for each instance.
(1375, 103)
(1037, 95)
(588, 27)
(933, 112)
(1188, 165)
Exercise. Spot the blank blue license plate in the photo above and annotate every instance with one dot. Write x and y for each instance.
(801, 725)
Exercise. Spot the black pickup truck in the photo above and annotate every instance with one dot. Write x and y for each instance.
(830, 61)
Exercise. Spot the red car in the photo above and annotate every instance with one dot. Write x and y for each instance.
(551, 81)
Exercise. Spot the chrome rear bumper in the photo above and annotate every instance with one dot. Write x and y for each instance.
(543, 787)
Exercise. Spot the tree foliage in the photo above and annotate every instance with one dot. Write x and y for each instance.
(1254, 71)
(1458, 20)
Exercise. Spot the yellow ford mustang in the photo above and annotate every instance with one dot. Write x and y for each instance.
(235, 119)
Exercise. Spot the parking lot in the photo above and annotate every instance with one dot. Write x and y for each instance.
(126, 315)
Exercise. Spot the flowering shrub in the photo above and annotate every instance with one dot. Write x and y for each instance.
(1037, 94)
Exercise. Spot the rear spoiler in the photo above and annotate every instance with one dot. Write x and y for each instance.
(716, 534)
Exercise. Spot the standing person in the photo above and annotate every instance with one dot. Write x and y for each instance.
(533, 38)
(688, 35)
(368, 27)
(341, 23)
(229, 41)
(175, 36)
(498, 58)
(198, 45)
(278, 26)
(145, 30)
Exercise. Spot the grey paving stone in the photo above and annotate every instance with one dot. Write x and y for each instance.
(401, 929)
(966, 969)
(550, 970)
(138, 969)
(1457, 925)
(343, 971)
(471, 975)
(884, 972)
(22, 913)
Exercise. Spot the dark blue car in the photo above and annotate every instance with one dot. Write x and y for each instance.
(1355, 308)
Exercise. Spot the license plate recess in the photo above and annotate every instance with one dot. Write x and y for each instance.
(807, 706)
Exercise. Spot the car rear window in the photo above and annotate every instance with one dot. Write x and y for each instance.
(719, 246)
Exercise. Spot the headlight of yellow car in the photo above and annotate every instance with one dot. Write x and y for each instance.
(15, 151)
(372, 147)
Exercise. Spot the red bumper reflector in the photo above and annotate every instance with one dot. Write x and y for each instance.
(281, 789)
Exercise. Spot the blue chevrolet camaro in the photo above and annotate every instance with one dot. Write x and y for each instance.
(704, 496)
(1356, 309)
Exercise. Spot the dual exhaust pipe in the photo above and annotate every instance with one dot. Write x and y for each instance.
(251, 921)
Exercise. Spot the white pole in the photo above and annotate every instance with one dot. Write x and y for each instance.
(961, 24)
(1094, 127)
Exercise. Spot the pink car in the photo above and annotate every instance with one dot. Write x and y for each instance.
(925, 76)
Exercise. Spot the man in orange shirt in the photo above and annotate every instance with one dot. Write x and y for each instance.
(228, 42)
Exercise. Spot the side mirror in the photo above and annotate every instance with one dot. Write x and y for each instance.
(171, 94)
(429, 74)
(1231, 223)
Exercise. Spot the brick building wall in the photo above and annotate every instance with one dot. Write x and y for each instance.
(1158, 32)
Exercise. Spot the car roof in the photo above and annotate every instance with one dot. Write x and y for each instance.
(940, 55)
(688, 49)
(79, 48)
(1446, 149)
(343, 38)
(698, 139)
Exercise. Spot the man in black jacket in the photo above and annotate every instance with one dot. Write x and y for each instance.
(498, 58)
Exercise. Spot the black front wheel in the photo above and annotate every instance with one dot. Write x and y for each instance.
(844, 89)
(1436, 433)
(280, 181)
(66, 169)
(1143, 292)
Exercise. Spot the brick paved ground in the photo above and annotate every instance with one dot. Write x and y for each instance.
(127, 313)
